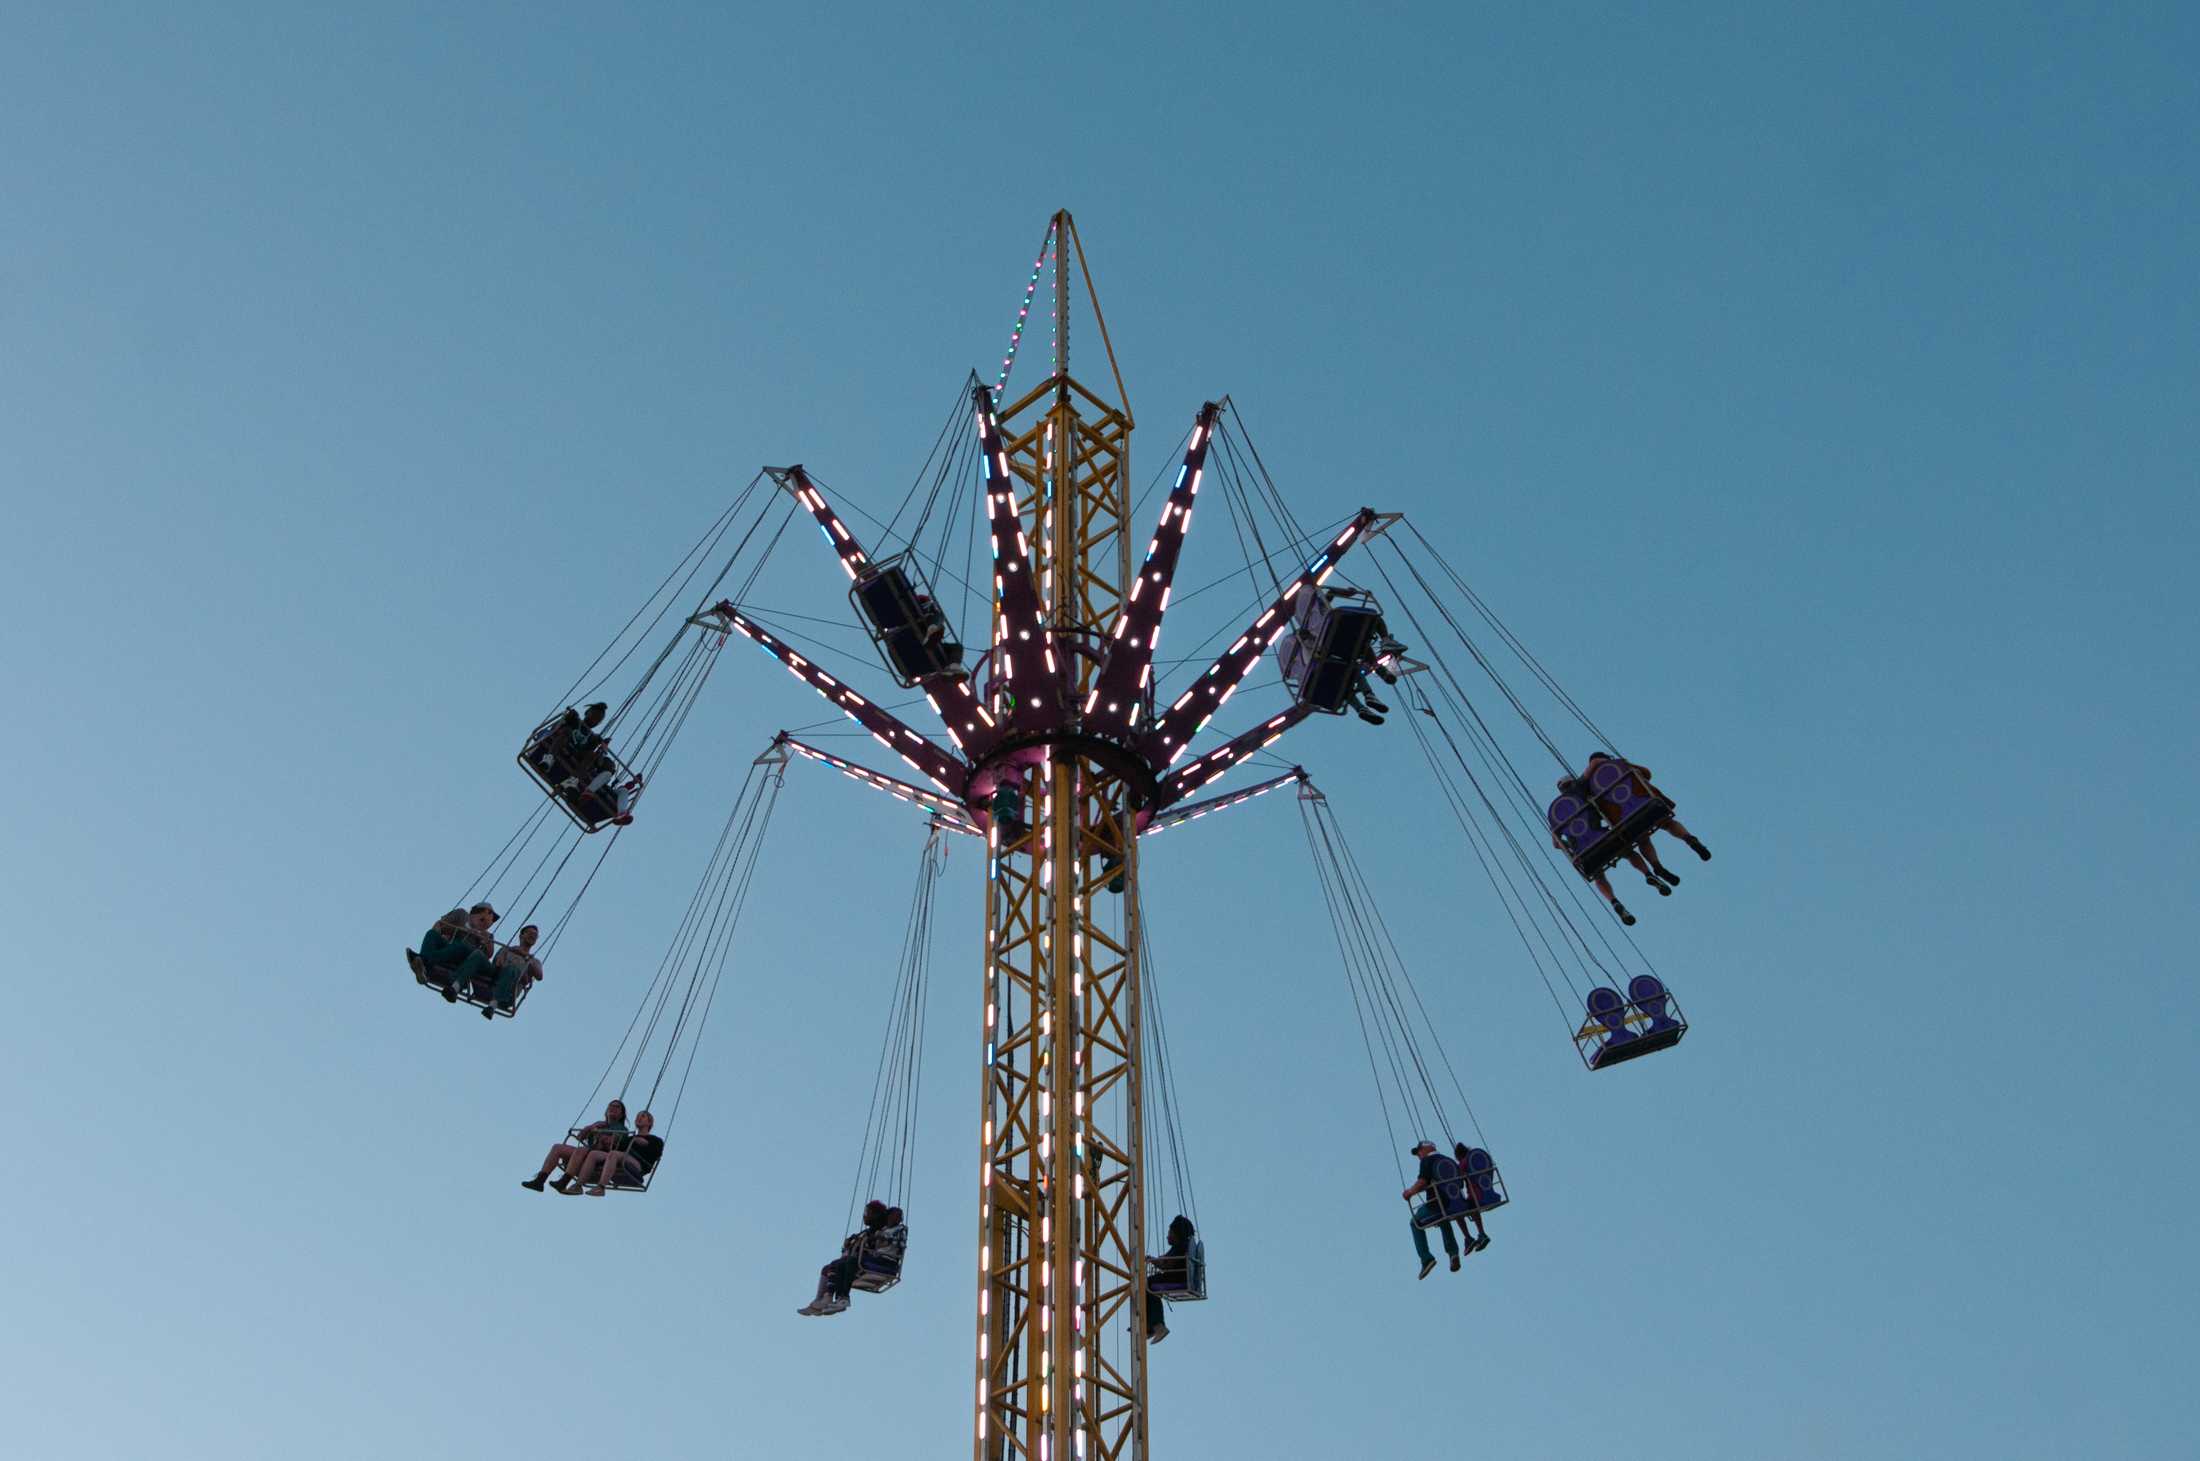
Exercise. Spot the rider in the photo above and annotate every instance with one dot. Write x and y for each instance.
(836, 1278)
(1669, 825)
(516, 964)
(1437, 1170)
(459, 947)
(1480, 1237)
(1175, 1264)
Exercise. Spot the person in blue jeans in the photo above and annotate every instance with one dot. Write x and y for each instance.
(1439, 1178)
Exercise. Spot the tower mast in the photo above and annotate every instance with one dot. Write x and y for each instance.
(1061, 1240)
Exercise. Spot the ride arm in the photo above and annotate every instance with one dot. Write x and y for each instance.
(1193, 775)
(1173, 731)
(965, 719)
(1193, 811)
(1118, 689)
(927, 759)
(1023, 656)
(931, 801)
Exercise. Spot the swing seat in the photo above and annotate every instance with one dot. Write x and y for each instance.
(879, 1259)
(1485, 1188)
(479, 991)
(568, 783)
(1593, 841)
(1325, 652)
(906, 622)
(1619, 1029)
(1179, 1280)
(619, 1183)
(1445, 1202)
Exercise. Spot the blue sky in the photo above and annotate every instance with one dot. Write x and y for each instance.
(360, 371)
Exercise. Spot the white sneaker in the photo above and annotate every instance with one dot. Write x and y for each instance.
(832, 1306)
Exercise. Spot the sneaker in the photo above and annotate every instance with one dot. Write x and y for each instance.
(535, 1184)
(1668, 874)
(595, 1191)
(1624, 916)
(1374, 704)
(565, 1187)
(1155, 1336)
(624, 819)
(809, 1310)
(1455, 1261)
(1386, 674)
(832, 1306)
(1369, 716)
(487, 1013)
(1428, 1266)
(1481, 1242)
(412, 962)
(1701, 850)
(450, 992)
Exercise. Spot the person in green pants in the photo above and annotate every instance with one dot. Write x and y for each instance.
(458, 947)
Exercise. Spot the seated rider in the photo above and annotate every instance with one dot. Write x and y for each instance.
(1568, 786)
(458, 947)
(601, 1135)
(516, 964)
(1480, 1237)
(1174, 1265)
(1439, 1178)
(625, 1164)
(932, 624)
(836, 1278)
(1670, 826)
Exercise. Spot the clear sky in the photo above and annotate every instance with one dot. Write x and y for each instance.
(358, 372)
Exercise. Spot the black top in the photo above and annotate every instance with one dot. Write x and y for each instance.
(646, 1150)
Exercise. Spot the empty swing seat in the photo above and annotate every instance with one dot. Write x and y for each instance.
(1326, 651)
(1593, 840)
(1643, 1022)
(1179, 1280)
(879, 1259)
(479, 991)
(579, 785)
(905, 622)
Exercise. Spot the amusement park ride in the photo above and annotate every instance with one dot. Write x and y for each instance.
(1056, 750)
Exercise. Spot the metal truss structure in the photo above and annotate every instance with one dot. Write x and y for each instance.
(1058, 756)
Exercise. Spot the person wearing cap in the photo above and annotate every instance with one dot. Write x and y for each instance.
(459, 947)
(1437, 1170)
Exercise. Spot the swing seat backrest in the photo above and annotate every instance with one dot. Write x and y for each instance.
(1648, 994)
(1483, 1187)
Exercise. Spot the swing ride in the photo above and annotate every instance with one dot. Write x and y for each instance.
(1058, 752)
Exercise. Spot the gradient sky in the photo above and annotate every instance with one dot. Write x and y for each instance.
(358, 372)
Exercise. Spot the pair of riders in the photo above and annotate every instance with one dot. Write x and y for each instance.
(1643, 855)
(459, 948)
(601, 1155)
(1448, 1203)
(1361, 697)
(573, 755)
(883, 1232)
